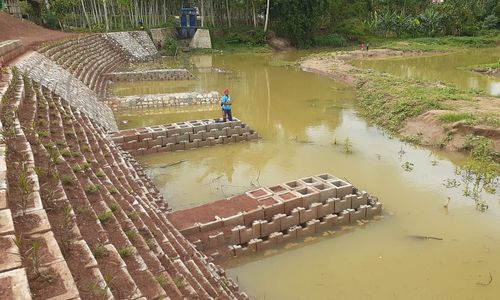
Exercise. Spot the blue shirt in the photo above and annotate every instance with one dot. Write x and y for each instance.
(226, 99)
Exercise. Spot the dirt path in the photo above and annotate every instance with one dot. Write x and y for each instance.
(30, 34)
(426, 128)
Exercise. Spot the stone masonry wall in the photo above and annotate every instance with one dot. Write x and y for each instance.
(55, 78)
(131, 45)
(164, 100)
(159, 74)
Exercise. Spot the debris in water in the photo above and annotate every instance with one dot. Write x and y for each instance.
(488, 283)
(447, 202)
(125, 122)
(424, 237)
(172, 164)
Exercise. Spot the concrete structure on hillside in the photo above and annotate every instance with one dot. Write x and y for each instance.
(201, 39)
(160, 35)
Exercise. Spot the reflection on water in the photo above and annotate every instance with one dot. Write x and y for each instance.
(300, 115)
(446, 68)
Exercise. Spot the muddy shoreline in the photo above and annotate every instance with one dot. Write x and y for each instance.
(424, 128)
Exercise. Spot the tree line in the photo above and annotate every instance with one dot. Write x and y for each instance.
(305, 23)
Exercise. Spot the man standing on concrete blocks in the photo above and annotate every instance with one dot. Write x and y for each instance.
(226, 106)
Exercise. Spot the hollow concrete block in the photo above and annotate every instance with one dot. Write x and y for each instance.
(259, 193)
(342, 218)
(254, 244)
(322, 226)
(343, 188)
(213, 240)
(306, 231)
(277, 189)
(341, 204)
(193, 136)
(276, 237)
(252, 136)
(131, 145)
(290, 220)
(246, 234)
(183, 137)
(192, 145)
(191, 230)
(167, 140)
(271, 210)
(373, 210)
(294, 184)
(265, 245)
(256, 228)
(154, 142)
(233, 220)
(311, 180)
(360, 199)
(202, 143)
(171, 129)
(293, 231)
(240, 138)
(253, 215)
(311, 213)
(144, 134)
(354, 215)
(235, 235)
(266, 228)
(326, 177)
(309, 195)
(212, 225)
(325, 190)
(327, 208)
(291, 200)
(184, 127)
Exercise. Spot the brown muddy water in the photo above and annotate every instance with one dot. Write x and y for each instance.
(300, 116)
(450, 68)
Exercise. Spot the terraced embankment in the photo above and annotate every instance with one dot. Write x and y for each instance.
(79, 219)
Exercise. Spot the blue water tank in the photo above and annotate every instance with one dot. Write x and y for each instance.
(188, 22)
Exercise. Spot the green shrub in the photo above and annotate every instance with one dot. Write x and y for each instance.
(100, 251)
(455, 117)
(126, 251)
(331, 40)
(105, 217)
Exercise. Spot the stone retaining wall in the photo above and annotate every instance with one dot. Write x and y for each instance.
(135, 43)
(160, 74)
(182, 136)
(55, 78)
(265, 217)
(164, 100)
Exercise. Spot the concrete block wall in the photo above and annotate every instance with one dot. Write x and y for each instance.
(159, 74)
(284, 213)
(164, 100)
(10, 49)
(182, 136)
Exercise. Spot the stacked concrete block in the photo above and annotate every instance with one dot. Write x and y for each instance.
(180, 136)
(291, 210)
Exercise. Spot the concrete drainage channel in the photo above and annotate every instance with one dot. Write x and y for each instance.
(263, 218)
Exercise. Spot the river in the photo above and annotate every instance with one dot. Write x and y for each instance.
(304, 120)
